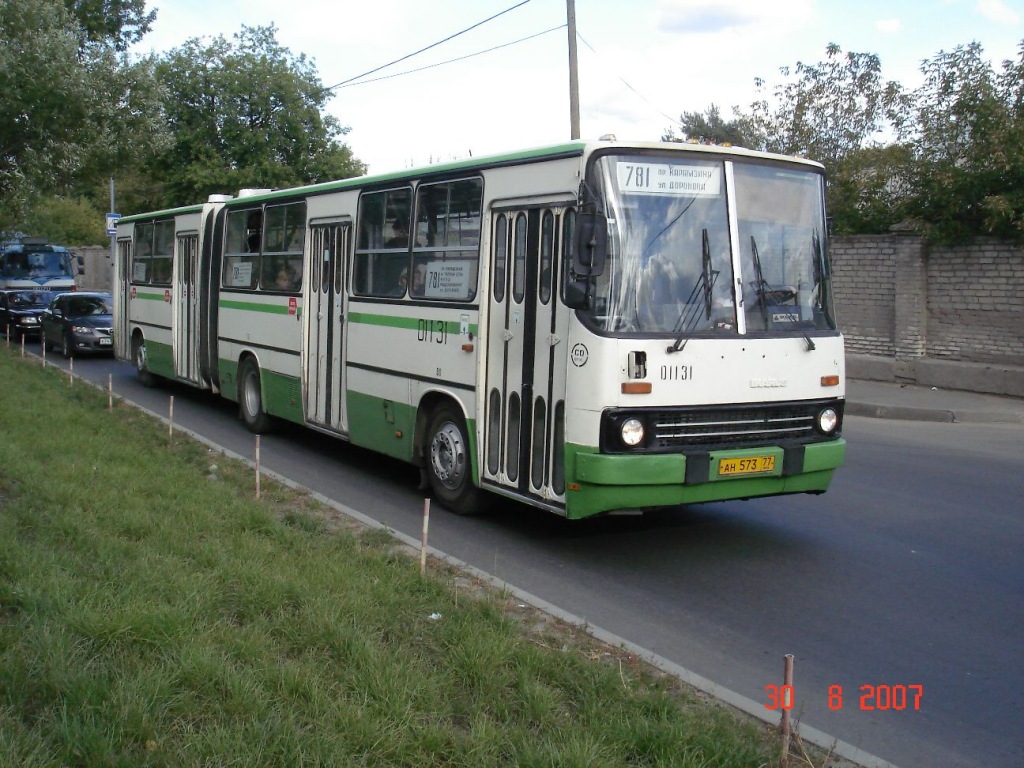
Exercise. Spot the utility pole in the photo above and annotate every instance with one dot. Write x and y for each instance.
(574, 82)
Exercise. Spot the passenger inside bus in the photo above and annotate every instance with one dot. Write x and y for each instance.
(285, 279)
(399, 237)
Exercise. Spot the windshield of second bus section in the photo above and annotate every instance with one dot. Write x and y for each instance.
(669, 267)
(785, 270)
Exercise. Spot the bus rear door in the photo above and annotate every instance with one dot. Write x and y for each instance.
(324, 369)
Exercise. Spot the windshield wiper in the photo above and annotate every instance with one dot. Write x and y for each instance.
(763, 288)
(690, 314)
(762, 299)
(762, 292)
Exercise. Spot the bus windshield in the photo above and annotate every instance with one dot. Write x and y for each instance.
(37, 266)
(671, 267)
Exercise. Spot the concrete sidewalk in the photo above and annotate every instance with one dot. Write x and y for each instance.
(886, 400)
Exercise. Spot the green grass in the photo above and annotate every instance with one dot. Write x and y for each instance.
(154, 613)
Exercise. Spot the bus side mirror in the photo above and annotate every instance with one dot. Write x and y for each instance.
(81, 265)
(591, 244)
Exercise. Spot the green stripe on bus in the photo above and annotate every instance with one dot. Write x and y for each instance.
(149, 296)
(408, 323)
(251, 306)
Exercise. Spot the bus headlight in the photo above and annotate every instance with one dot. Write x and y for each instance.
(632, 432)
(828, 420)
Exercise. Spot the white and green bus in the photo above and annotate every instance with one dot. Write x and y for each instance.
(587, 328)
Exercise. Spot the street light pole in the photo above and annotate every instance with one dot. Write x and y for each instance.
(574, 83)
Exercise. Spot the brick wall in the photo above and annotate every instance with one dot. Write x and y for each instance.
(897, 297)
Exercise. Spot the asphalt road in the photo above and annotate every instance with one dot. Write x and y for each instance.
(904, 583)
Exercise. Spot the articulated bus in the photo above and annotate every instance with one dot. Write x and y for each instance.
(591, 327)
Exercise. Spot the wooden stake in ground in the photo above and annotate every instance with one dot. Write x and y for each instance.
(170, 421)
(787, 704)
(71, 371)
(110, 392)
(257, 466)
(423, 546)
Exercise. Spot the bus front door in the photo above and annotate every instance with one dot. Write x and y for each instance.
(186, 309)
(324, 379)
(525, 400)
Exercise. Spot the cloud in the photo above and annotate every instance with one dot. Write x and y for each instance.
(997, 11)
(889, 26)
(714, 16)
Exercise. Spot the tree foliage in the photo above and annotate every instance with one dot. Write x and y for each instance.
(246, 113)
(77, 220)
(944, 158)
(965, 130)
(71, 114)
(709, 127)
(111, 23)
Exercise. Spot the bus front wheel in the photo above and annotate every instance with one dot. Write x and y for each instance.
(448, 463)
(250, 398)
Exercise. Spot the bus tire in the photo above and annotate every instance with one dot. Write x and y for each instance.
(250, 398)
(142, 372)
(449, 465)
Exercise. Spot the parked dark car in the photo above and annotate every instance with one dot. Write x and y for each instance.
(79, 322)
(20, 310)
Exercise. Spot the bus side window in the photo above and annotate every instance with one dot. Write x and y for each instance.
(142, 262)
(241, 264)
(282, 260)
(381, 266)
(447, 244)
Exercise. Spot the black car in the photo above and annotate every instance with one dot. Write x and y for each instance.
(20, 311)
(79, 322)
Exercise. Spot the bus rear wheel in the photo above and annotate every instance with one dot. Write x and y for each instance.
(448, 463)
(250, 398)
(142, 371)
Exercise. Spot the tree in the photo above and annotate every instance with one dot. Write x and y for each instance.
(965, 133)
(709, 127)
(69, 221)
(114, 23)
(246, 114)
(831, 109)
(837, 112)
(69, 114)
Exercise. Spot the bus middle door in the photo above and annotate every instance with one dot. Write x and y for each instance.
(186, 309)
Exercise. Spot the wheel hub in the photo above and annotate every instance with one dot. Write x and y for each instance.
(448, 456)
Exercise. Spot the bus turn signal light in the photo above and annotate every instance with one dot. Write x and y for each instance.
(636, 387)
(830, 381)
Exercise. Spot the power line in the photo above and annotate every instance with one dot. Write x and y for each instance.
(427, 48)
(634, 90)
(349, 84)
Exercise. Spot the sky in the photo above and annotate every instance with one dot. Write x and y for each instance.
(503, 85)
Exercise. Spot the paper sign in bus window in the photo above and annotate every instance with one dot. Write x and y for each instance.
(241, 272)
(448, 280)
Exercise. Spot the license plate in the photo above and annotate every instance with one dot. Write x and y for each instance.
(106, 342)
(749, 465)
